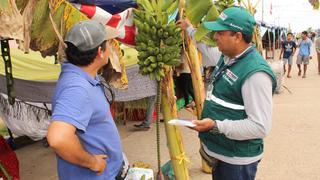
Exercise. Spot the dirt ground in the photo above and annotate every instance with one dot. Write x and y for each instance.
(291, 148)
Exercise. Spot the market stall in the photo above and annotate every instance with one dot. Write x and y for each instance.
(45, 23)
(150, 29)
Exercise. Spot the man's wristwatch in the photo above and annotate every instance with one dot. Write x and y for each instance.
(215, 129)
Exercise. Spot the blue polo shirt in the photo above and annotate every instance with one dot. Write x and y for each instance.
(305, 47)
(80, 101)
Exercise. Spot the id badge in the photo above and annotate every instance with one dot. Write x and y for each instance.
(209, 91)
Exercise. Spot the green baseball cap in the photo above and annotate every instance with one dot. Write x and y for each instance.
(235, 19)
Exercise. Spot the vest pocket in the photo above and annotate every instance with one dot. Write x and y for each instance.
(248, 148)
(218, 143)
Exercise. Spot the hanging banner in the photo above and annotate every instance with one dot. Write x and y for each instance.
(123, 21)
(111, 6)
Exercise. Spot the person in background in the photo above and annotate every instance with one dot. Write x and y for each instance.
(304, 54)
(82, 132)
(145, 125)
(184, 82)
(318, 52)
(238, 107)
(288, 49)
(210, 55)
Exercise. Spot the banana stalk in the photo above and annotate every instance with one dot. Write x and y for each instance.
(197, 82)
(158, 44)
(257, 39)
(198, 86)
(174, 139)
(194, 64)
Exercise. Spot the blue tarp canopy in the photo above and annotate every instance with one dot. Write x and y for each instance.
(271, 34)
(111, 6)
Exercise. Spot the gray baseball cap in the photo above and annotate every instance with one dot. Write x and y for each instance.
(89, 34)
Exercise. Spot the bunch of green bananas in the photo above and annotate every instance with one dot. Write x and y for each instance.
(157, 42)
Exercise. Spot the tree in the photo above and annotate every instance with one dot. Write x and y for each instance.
(315, 3)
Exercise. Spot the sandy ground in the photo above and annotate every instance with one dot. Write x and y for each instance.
(291, 149)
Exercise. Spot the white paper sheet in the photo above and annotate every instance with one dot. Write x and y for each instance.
(180, 122)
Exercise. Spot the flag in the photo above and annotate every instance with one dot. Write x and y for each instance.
(111, 6)
(123, 21)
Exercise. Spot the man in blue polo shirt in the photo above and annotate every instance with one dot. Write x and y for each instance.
(304, 55)
(82, 132)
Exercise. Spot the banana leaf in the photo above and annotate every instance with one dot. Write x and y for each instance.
(4, 4)
(146, 5)
(43, 37)
(11, 22)
(198, 12)
(21, 4)
(201, 32)
(222, 5)
(315, 3)
(172, 8)
(208, 40)
(166, 5)
(197, 9)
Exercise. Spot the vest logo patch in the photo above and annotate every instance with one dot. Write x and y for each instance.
(227, 79)
(231, 75)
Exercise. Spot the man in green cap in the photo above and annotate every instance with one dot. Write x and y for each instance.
(238, 106)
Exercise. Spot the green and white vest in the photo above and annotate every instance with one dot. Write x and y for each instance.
(226, 103)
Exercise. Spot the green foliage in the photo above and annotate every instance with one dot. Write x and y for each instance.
(42, 33)
(315, 3)
(224, 4)
(21, 4)
(4, 4)
(212, 15)
(3, 129)
(197, 9)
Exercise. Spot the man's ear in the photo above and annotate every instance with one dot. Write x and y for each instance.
(239, 37)
(100, 53)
